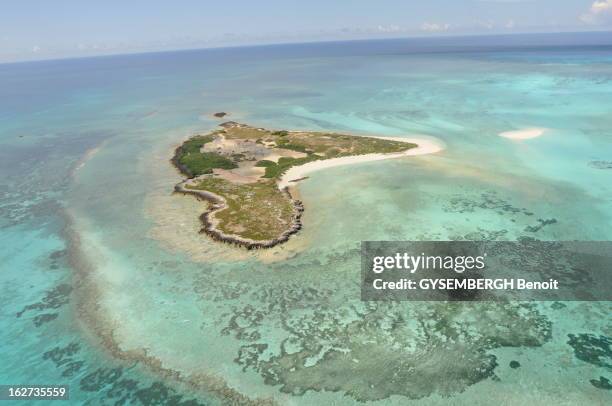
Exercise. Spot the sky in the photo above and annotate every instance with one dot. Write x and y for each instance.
(43, 29)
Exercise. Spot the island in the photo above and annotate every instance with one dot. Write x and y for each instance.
(245, 173)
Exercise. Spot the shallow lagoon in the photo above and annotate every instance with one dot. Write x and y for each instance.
(119, 293)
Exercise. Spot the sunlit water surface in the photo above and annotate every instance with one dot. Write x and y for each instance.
(107, 287)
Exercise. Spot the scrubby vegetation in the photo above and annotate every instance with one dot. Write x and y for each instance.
(195, 144)
(327, 145)
(277, 169)
(258, 211)
(284, 143)
(193, 162)
(265, 163)
(204, 162)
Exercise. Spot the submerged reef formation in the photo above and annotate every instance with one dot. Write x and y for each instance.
(304, 338)
(596, 350)
(237, 169)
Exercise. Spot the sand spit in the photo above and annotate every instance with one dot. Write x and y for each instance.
(523, 134)
(424, 146)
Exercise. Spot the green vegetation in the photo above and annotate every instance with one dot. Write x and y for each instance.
(194, 162)
(284, 163)
(258, 211)
(265, 163)
(194, 144)
(285, 144)
(204, 162)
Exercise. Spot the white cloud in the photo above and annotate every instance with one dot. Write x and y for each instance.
(434, 27)
(489, 25)
(510, 24)
(599, 12)
(35, 48)
(601, 6)
(388, 28)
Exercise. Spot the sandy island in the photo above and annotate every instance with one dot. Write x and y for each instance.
(524, 134)
(297, 173)
(244, 174)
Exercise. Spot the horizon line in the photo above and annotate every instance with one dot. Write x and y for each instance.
(319, 41)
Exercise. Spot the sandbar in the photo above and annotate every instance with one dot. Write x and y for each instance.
(523, 134)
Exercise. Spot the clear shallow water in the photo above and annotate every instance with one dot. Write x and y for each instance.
(119, 293)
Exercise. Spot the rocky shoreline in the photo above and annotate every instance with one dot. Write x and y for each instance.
(178, 165)
(217, 203)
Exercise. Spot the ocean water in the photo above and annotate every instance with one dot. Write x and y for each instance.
(108, 287)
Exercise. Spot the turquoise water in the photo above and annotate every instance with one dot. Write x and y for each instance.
(107, 287)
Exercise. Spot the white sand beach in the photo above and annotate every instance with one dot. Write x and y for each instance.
(428, 145)
(523, 134)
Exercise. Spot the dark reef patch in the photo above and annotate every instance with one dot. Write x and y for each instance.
(601, 383)
(600, 164)
(62, 355)
(98, 379)
(482, 235)
(593, 349)
(57, 254)
(514, 364)
(41, 319)
(72, 368)
(553, 261)
(160, 394)
(127, 391)
(55, 258)
(112, 383)
(244, 323)
(53, 299)
(542, 223)
(558, 305)
(487, 201)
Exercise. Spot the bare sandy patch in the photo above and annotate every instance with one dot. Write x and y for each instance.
(523, 134)
(278, 153)
(236, 177)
